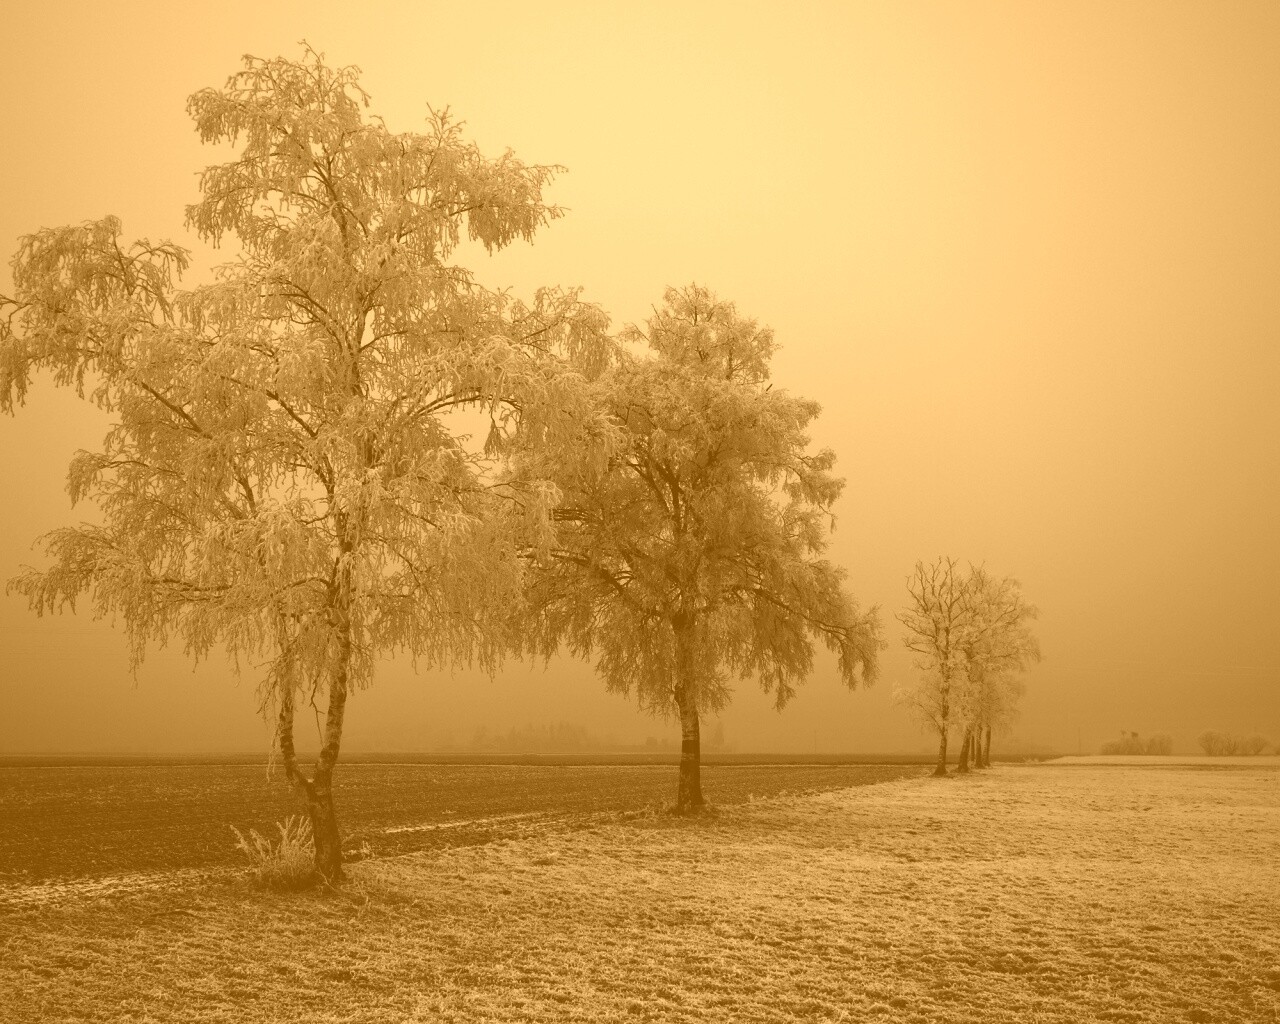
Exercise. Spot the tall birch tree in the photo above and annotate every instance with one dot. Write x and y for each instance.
(283, 477)
(694, 554)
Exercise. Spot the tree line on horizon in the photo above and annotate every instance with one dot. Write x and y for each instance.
(1211, 742)
(291, 474)
(573, 738)
(1159, 744)
(1221, 744)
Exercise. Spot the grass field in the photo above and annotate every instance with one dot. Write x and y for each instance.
(1023, 894)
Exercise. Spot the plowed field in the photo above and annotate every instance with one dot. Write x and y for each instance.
(93, 820)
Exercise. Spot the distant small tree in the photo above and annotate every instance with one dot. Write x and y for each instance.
(694, 554)
(970, 632)
(997, 695)
(1220, 744)
(939, 621)
(282, 478)
(1212, 742)
(998, 647)
(1161, 744)
(1128, 743)
(1254, 745)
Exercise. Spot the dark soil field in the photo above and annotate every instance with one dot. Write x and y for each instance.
(94, 818)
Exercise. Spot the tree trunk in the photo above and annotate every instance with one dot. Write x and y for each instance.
(689, 790)
(324, 828)
(963, 767)
(942, 752)
(324, 825)
(986, 752)
(943, 719)
(317, 791)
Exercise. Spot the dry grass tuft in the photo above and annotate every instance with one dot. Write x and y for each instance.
(284, 866)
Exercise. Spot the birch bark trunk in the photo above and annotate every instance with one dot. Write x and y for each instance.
(316, 791)
(689, 790)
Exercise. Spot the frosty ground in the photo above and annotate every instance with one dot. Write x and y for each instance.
(1058, 892)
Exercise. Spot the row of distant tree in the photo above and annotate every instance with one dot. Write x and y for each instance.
(570, 737)
(1220, 744)
(1215, 744)
(1132, 743)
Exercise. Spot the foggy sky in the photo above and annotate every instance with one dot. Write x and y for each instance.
(1025, 256)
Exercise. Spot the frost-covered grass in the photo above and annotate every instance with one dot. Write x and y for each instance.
(1023, 894)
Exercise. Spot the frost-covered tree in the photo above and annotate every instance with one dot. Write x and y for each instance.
(970, 633)
(996, 696)
(283, 477)
(938, 622)
(1218, 744)
(997, 647)
(693, 555)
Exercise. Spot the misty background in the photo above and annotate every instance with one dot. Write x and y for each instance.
(1025, 256)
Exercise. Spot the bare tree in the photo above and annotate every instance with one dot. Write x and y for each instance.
(1219, 744)
(938, 620)
(970, 633)
(996, 700)
(998, 646)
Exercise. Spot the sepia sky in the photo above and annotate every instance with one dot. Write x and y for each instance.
(1026, 256)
